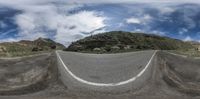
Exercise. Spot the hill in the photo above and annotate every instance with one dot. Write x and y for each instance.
(26, 47)
(122, 41)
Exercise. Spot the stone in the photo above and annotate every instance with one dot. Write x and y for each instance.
(127, 47)
(97, 49)
(115, 48)
(2, 49)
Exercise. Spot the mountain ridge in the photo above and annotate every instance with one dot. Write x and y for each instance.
(120, 40)
(24, 47)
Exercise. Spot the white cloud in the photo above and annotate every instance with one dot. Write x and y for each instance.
(158, 32)
(8, 40)
(38, 15)
(2, 24)
(18, 3)
(188, 38)
(182, 31)
(165, 10)
(41, 15)
(21, 3)
(7, 32)
(82, 22)
(138, 30)
(190, 22)
(147, 17)
(29, 26)
(134, 1)
(26, 21)
(133, 20)
(161, 33)
(139, 20)
(67, 27)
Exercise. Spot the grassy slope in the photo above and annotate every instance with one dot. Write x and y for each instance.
(137, 41)
(188, 53)
(24, 48)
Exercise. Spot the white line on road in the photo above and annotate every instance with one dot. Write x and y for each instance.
(176, 54)
(184, 56)
(105, 84)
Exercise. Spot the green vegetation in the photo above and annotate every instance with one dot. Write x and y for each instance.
(25, 47)
(118, 41)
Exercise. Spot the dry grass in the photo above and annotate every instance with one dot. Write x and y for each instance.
(189, 53)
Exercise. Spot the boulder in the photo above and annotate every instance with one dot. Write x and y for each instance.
(115, 48)
(127, 47)
(75, 47)
(97, 49)
(53, 47)
(35, 49)
(2, 49)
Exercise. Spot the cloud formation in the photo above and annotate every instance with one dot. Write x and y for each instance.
(188, 38)
(139, 20)
(69, 20)
(134, 1)
(66, 28)
(133, 20)
(79, 25)
(41, 18)
(22, 2)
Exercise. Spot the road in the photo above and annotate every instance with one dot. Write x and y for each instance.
(69, 75)
(104, 70)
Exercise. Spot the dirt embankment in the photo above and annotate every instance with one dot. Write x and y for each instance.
(173, 77)
(183, 74)
(27, 75)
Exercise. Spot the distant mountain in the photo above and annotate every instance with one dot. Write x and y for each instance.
(24, 47)
(120, 41)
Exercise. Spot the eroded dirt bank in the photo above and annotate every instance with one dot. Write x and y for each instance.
(27, 75)
(183, 74)
(173, 77)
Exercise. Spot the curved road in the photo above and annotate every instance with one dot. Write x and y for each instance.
(105, 70)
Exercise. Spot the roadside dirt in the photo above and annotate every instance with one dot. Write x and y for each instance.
(28, 75)
(183, 74)
(173, 77)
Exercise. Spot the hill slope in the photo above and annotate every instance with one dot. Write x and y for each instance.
(118, 40)
(25, 47)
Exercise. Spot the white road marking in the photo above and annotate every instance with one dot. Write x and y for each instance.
(105, 84)
(177, 54)
(184, 56)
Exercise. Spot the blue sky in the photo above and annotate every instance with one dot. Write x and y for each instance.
(65, 22)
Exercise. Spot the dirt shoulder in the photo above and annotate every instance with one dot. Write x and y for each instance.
(173, 77)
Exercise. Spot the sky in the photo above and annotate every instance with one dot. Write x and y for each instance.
(66, 21)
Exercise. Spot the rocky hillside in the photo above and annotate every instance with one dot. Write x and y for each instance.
(195, 44)
(24, 47)
(122, 41)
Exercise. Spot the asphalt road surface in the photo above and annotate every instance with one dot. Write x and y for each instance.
(70, 75)
(104, 70)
